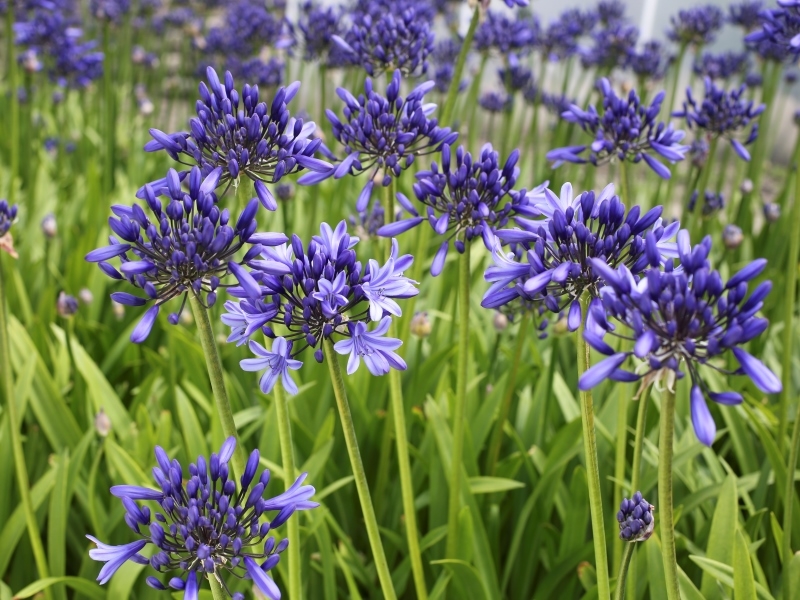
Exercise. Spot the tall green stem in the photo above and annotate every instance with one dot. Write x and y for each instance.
(13, 138)
(370, 521)
(290, 473)
(214, 366)
(627, 554)
(620, 457)
(455, 83)
(676, 76)
(592, 464)
(626, 184)
(459, 406)
(216, 589)
(665, 510)
(14, 422)
(638, 440)
(505, 406)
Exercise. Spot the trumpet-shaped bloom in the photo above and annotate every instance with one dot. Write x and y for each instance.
(376, 350)
(275, 363)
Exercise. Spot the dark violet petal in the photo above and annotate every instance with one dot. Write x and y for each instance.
(245, 280)
(399, 227)
(145, 325)
(596, 374)
(135, 492)
(730, 398)
(107, 252)
(659, 169)
(364, 196)
(764, 379)
(703, 422)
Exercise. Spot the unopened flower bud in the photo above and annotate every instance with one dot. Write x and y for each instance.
(772, 211)
(421, 325)
(732, 236)
(284, 191)
(102, 423)
(747, 186)
(86, 296)
(635, 518)
(50, 226)
(118, 310)
(66, 305)
(500, 321)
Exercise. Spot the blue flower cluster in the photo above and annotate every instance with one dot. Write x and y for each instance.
(8, 213)
(635, 518)
(207, 526)
(746, 15)
(627, 130)
(680, 318)
(651, 62)
(697, 26)
(723, 65)
(317, 292)
(505, 34)
(317, 26)
(780, 31)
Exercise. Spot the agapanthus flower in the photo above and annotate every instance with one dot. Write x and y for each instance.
(680, 319)
(466, 198)
(205, 526)
(515, 76)
(383, 133)
(66, 305)
(241, 135)
(109, 10)
(399, 38)
(319, 292)
(610, 11)
(627, 131)
(318, 25)
(745, 14)
(376, 350)
(556, 104)
(722, 65)
(558, 41)
(723, 114)
(275, 363)
(246, 29)
(505, 34)
(445, 54)
(185, 245)
(713, 202)
(369, 221)
(651, 63)
(8, 214)
(697, 25)
(496, 102)
(779, 35)
(611, 46)
(635, 518)
(556, 267)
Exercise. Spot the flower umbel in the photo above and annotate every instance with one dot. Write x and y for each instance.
(207, 525)
(635, 518)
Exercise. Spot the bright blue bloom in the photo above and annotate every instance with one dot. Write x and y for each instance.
(8, 215)
(383, 133)
(376, 350)
(313, 293)
(697, 25)
(721, 66)
(635, 518)
(277, 363)
(241, 135)
(680, 319)
(556, 269)
(186, 245)
(207, 526)
(745, 14)
(723, 114)
(779, 35)
(627, 130)
(465, 199)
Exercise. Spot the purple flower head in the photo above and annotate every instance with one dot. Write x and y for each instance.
(723, 114)
(721, 66)
(246, 29)
(556, 104)
(516, 76)
(496, 102)
(753, 80)
(635, 518)
(556, 268)
(206, 525)
(681, 319)
(559, 40)
(241, 135)
(109, 10)
(182, 245)
(713, 202)
(369, 221)
(8, 215)
(505, 34)
(268, 73)
(779, 35)
(651, 63)
(697, 26)
(465, 197)
(318, 25)
(610, 11)
(386, 39)
(315, 292)
(611, 46)
(383, 133)
(627, 130)
(745, 14)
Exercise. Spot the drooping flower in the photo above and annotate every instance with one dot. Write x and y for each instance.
(627, 131)
(723, 114)
(635, 518)
(466, 198)
(207, 526)
(681, 319)
(556, 269)
(697, 26)
(316, 292)
(185, 246)
(241, 135)
(383, 133)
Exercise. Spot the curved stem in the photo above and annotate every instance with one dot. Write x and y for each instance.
(508, 395)
(214, 366)
(627, 554)
(455, 83)
(459, 407)
(290, 473)
(638, 440)
(592, 464)
(370, 521)
(665, 449)
(16, 443)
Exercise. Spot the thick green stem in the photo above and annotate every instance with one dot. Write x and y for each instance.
(665, 510)
(452, 91)
(214, 366)
(627, 554)
(13, 138)
(620, 457)
(508, 395)
(638, 440)
(788, 503)
(14, 422)
(592, 465)
(459, 406)
(370, 521)
(290, 473)
(216, 589)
